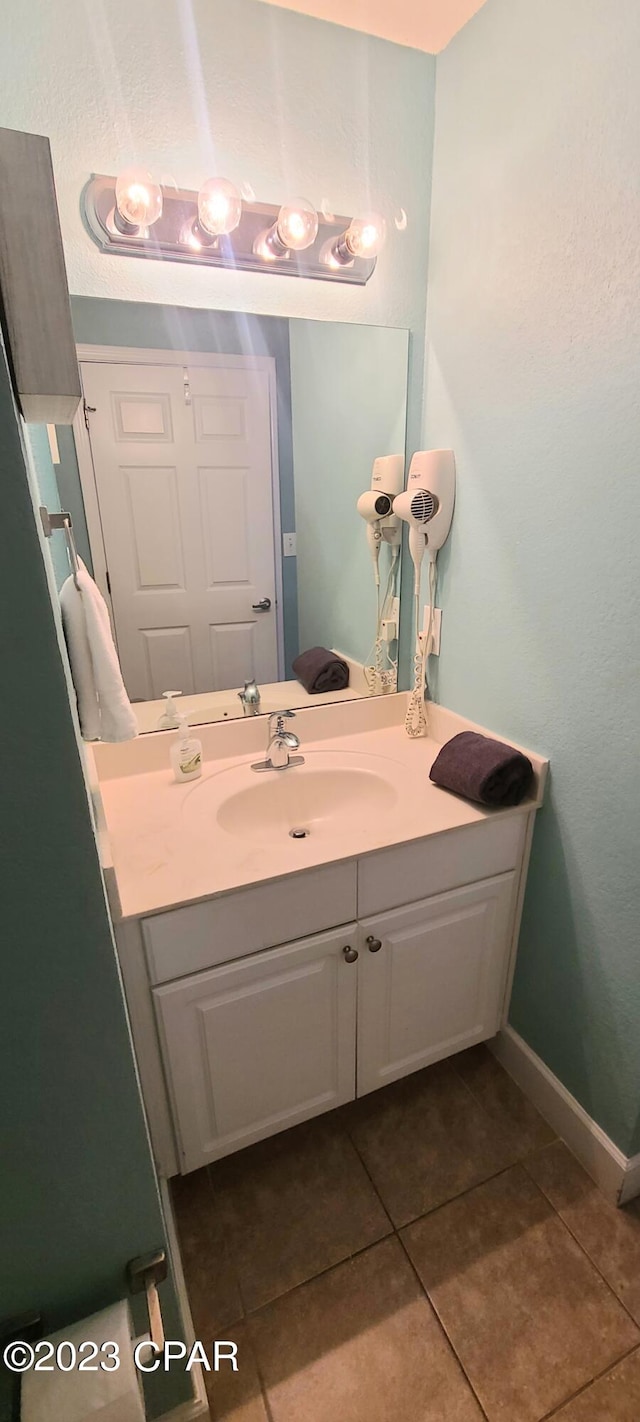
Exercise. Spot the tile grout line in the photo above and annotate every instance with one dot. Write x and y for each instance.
(231, 1251)
(352, 1254)
(556, 1411)
(244, 1319)
(346, 1259)
(398, 1236)
(519, 1159)
(586, 1253)
(441, 1203)
(447, 1339)
(259, 1374)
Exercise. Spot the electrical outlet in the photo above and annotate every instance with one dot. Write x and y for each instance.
(435, 629)
(288, 545)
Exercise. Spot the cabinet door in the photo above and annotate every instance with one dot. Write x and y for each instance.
(435, 984)
(255, 1046)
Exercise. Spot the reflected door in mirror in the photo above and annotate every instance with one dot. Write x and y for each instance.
(183, 469)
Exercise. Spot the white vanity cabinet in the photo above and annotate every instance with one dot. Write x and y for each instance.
(267, 1041)
(252, 1011)
(260, 1044)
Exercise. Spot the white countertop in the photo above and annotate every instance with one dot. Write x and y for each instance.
(158, 854)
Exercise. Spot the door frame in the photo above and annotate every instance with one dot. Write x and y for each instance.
(135, 355)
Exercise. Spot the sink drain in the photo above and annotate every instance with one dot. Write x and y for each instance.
(299, 833)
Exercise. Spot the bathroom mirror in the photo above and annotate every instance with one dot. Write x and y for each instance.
(213, 482)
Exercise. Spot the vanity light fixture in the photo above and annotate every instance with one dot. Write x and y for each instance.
(295, 229)
(138, 202)
(132, 216)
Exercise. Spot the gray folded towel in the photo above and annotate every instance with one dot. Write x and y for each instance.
(321, 670)
(482, 769)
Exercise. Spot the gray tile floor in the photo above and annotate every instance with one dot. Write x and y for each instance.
(427, 1254)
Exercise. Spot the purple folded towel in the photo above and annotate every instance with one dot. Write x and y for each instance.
(482, 769)
(320, 670)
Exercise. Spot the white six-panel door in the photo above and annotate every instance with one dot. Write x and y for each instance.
(434, 982)
(257, 1045)
(183, 469)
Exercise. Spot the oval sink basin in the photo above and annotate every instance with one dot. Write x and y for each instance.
(328, 796)
(321, 800)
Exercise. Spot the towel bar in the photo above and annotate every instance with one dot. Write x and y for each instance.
(53, 521)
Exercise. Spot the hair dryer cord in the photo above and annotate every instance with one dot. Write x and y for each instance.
(416, 722)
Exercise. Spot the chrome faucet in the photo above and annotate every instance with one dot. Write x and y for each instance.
(281, 742)
(250, 698)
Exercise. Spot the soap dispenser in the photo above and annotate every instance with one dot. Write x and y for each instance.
(170, 717)
(186, 753)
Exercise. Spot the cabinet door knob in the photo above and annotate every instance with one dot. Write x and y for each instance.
(373, 944)
(350, 954)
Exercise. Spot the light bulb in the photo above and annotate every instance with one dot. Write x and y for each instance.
(295, 228)
(138, 201)
(297, 225)
(364, 237)
(219, 207)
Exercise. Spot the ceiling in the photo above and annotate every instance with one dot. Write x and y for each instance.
(422, 24)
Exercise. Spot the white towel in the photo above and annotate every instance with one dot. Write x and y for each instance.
(104, 708)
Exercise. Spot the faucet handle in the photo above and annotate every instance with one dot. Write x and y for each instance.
(279, 718)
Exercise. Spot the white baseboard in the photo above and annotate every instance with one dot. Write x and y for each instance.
(617, 1175)
(631, 1183)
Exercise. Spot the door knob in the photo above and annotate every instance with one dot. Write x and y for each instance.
(263, 605)
(350, 954)
(373, 944)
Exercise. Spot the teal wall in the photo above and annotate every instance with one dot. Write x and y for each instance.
(533, 367)
(156, 327)
(78, 1196)
(348, 388)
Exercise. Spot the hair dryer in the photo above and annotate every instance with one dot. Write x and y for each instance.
(427, 507)
(376, 506)
(427, 503)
